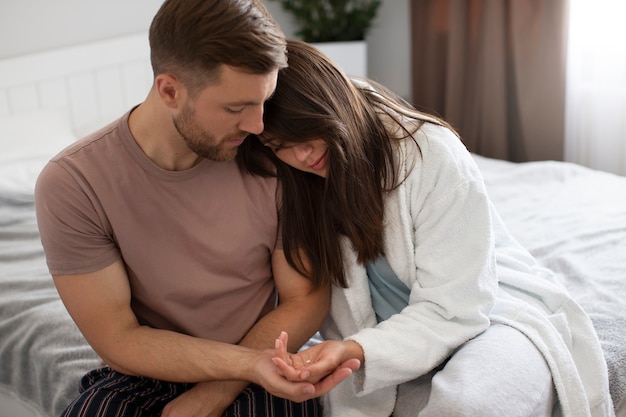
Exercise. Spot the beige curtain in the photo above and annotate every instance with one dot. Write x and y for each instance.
(494, 69)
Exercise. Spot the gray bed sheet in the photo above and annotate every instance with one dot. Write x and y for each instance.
(571, 218)
(42, 353)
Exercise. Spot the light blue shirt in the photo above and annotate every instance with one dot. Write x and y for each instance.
(389, 294)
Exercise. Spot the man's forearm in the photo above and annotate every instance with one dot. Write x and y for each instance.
(170, 356)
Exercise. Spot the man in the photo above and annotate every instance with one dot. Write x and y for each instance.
(165, 252)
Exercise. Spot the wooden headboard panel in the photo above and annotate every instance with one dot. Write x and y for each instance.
(94, 82)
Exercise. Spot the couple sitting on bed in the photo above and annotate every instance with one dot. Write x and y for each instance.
(197, 260)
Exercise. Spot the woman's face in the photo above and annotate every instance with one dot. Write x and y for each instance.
(310, 156)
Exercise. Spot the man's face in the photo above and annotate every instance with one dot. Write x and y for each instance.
(218, 120)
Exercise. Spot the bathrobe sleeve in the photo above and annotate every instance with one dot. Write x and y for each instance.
(439, 242)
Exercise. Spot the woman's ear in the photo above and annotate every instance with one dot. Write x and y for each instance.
(170, 90)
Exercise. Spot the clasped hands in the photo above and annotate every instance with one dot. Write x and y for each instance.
(319, 368)
(297, 377)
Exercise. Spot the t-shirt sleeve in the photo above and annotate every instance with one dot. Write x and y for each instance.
(73, 228)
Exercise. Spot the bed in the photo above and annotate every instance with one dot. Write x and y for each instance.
(573, 219)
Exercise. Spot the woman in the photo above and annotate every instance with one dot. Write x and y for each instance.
(446, 312)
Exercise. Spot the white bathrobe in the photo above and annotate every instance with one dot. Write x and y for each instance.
(444, 240)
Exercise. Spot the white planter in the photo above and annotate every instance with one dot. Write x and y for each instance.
(350, 56)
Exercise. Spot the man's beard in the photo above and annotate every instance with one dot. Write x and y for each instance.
(201, 142)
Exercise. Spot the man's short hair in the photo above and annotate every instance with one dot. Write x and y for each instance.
(191, 39)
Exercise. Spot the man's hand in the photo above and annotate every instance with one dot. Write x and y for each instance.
(321, 364)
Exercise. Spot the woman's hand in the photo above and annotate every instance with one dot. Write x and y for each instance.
(270, 377)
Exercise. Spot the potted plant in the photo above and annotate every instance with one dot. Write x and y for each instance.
(338, 27)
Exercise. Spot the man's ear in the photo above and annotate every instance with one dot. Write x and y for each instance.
(170, 90)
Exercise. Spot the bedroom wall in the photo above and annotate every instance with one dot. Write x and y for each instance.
(28, 26)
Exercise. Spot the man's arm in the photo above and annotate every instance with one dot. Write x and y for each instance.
(99, 303)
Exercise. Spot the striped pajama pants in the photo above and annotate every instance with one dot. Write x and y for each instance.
(106, 393)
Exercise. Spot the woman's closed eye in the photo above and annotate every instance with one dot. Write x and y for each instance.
(276, 146)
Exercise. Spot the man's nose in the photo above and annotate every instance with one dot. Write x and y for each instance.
(253, 121)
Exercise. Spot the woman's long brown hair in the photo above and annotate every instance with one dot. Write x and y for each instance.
(359, 120)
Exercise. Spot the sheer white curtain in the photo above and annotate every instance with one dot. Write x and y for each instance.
(595, 115)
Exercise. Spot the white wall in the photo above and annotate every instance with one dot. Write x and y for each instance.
(28, 26)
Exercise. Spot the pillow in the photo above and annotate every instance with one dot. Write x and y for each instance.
(27, 142)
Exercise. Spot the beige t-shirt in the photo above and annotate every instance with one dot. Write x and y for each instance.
(196, 243)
